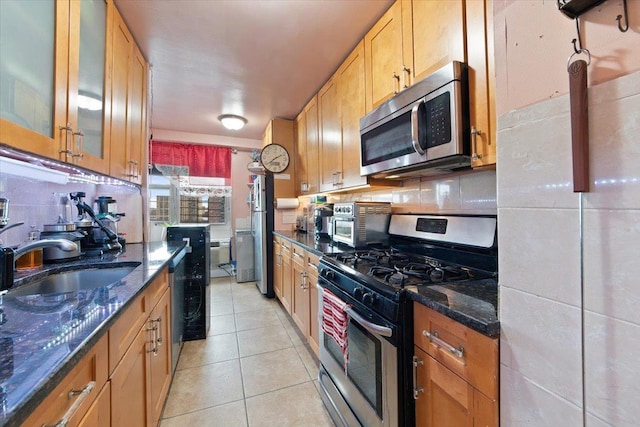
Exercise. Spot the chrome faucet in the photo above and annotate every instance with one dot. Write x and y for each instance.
(9, 256)
(62, 244)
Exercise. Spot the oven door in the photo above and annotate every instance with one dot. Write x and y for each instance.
(344, 231)
(367, 393)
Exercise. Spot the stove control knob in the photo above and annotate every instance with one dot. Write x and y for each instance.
(329, 274)
(368, 299)
(358, 292)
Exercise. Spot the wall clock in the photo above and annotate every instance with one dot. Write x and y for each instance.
(274, 158)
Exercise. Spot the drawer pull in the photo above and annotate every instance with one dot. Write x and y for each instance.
(82, 395)
(312, 265)
(297, 255)
(416, 388)
(433, 337)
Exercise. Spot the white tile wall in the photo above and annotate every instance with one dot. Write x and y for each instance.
(612, 263)
(538, 252)
(525, 404)
(542, 342)
(612, 386)
(539, 241)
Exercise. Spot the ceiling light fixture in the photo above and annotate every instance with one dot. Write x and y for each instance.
(232, 122)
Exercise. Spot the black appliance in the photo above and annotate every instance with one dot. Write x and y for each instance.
(444, 254)
(176, 284)
(423, 130)
(323, 220)
(196, 278)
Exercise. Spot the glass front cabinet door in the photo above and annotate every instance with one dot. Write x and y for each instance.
(52, 79)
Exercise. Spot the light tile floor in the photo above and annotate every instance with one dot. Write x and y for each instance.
(254, 369)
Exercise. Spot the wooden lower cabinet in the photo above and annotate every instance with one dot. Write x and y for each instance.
(160, 358)
(447, 387)
(300, 309)
(99, 414)
(130, 384)
(314, 325)
(130, 365)
(140, 383)
(287, 284)
(277, 268)
(93, 367)
(299, 270)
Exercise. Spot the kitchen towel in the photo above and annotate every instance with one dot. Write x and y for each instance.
(335, 322)
(290, 203)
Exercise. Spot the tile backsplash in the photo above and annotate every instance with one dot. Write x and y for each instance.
(471, 192)
(33, 202)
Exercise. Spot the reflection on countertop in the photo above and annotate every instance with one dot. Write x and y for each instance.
(320, 246)
(43, 336)
(473, 304)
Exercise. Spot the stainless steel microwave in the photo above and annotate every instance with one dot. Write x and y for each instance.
(423, 130)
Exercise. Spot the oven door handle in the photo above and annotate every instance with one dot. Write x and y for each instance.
(371, 327)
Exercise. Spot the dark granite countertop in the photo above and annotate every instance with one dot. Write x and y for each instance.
(319, 247)
(475, 304)
(43, 336)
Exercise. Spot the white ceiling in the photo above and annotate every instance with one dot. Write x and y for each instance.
(256, 58)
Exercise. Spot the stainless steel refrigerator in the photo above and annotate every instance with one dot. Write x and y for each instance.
(262, 229)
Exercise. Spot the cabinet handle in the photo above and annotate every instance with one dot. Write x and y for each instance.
(395, 80)
(79, 144)
(406, 73)
(304, 187)
(474, 143)
(416, 388)
(337, 178)
(154, 349)
(159, 327)
(82, 395)
(279, 262)
(67, 139)
(133, 169)
(297, 255)
(303, 285)
(312, 265)
(433, 337)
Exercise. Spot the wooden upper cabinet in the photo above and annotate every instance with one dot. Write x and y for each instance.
(137, 117)
(383, 57)
(330, 130)
(433, 35)
(61, 112)
(480, 57)
(312, 146)
(351, 93)
(300, 132)
(307, 154)
(129, 105)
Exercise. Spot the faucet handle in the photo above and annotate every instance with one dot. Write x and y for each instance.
(6, 269)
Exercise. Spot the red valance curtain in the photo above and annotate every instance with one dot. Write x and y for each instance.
(202, 160)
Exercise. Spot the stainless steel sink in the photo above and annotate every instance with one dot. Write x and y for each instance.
(74, 280)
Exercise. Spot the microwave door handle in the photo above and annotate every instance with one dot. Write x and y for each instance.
(415, 127)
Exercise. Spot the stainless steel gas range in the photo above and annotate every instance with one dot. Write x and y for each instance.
(370, 383)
